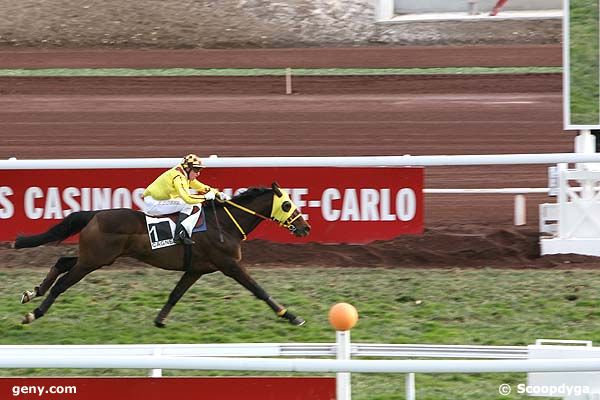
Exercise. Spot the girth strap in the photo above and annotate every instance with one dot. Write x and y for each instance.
(187, 257)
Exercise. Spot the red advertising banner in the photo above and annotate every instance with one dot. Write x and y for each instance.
(343, 205)
(214, 388)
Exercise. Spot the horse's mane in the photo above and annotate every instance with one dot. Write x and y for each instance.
(251, 193)
(247, 195)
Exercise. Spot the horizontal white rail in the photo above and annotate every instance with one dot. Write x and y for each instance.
(268, 350)
(362, 161)
(438, 351)
(487, 191)
(304, 365)
(175, 350)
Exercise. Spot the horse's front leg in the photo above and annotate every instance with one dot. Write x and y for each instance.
(282, 311)
(186, 281)
(237, 272)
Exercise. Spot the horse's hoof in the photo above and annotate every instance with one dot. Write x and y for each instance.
(159, 324)
(28, 318)
(297, 321)
(27, 296)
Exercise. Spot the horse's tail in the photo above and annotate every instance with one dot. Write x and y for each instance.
(71, 225)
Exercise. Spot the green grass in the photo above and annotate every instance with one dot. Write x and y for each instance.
(271, 71)
(584, 74)
(487, 306)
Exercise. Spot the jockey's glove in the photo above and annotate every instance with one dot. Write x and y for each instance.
(223, 196)
(210, 195)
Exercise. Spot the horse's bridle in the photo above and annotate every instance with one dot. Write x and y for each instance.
(287, 223)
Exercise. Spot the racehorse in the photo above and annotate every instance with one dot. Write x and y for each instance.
(109, 234)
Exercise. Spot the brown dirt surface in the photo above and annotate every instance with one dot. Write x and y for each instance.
(458, 246)
(327, 116)
(471, 246)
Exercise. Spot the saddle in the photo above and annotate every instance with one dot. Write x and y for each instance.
(161, 228)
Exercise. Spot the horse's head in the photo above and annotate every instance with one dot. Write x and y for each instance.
(286, 213)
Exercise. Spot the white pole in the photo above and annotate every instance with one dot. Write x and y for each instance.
(351, 161)
(473, 7)
(302, 364)
(520, 210)
(561, 199)
(342, 381)
(288, 81)
(384, 10)
(411, 390)
(566, 64)
(585, 143)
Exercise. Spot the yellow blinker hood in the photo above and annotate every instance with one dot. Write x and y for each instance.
(277, 212)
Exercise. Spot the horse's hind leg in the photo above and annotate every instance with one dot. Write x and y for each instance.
(75, 274)
(186, 281)
(62, 265)
(237, 272)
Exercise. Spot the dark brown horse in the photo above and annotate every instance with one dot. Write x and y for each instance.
(109, 234)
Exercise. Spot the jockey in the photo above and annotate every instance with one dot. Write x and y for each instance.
(169, 194)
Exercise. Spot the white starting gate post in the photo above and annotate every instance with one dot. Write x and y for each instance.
(572, 224)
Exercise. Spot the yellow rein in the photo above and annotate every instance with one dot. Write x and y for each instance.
(249, 211)
(237, 225)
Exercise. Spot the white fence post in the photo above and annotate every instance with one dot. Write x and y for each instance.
(411, 390)
(342, 381)
(384, 10)
(520, 210)
(288, 81)
(473, 7)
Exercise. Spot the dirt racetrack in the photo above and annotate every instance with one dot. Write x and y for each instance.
(326, 116)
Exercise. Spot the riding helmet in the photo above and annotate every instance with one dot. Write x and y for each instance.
(192, 161)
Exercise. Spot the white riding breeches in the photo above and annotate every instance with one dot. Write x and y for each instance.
(162, 207)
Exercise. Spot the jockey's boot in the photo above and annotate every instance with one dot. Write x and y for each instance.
(181, 236)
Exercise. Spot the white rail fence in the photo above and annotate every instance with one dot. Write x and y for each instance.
(554, 241)
(362, 161)
(370, 161)
(564, 357)
(305, 365)
(520, 204)
(267, 350)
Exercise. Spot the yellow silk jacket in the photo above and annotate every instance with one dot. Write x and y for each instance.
(175, 183)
